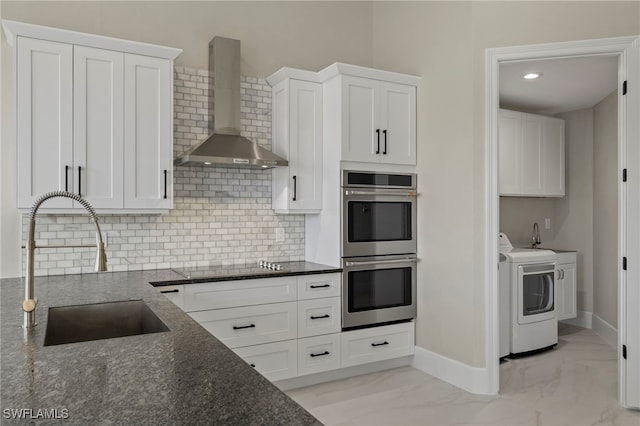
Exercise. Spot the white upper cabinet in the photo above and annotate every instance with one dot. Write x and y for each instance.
(148, 132)
(44, 127)
(531, 155)
(379, 121)
(93, 117)
(297, 136)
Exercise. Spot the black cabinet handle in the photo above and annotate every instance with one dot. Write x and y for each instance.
(165, 184)
(253, 365)
(380, 344)
(320, 286)
(385, 142)
(295, 188)
(170, 291)
(235, 327)
(66, 178)
(79, 180)
(321, 316)
(322, 354)
(378, 148)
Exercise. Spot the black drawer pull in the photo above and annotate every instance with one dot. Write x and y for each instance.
(79, 180)
(322, 354)
(320, 286)
(380, 344)
(170, 291)
(253, 365)
(235, 327)
(385, 142)
(165, 184)
(66, 178)
(295, 188)
(320, 317)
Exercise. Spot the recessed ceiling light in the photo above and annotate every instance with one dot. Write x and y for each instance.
(207, 163)
(532, 75)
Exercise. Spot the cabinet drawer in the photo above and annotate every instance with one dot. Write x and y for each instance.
(250, 325)
(377, 344)
(175, 293)
(318, 316)
(229, 294)
(275, 361)
(320, 353)
(318, 286)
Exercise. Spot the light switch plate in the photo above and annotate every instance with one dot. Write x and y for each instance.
(279, 235)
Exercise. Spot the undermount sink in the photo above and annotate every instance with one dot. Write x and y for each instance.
(82, 323)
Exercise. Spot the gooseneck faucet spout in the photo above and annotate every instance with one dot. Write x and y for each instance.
(29, 303)
(535, 237)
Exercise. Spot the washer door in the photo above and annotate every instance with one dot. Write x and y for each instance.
(535, 293)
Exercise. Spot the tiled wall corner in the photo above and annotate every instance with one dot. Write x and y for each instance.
(221, 215)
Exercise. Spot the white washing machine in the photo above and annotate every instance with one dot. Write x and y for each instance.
(533, 323)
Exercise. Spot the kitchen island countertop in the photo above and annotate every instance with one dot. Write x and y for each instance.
(184, 376)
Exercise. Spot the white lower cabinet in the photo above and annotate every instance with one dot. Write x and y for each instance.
(250, 325)
(318, 354)
(288, 326)
(377, 344)
(275, 361)
(318, 316)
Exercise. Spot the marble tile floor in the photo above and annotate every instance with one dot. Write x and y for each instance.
(574, 385)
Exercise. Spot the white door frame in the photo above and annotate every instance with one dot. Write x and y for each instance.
(628, 157)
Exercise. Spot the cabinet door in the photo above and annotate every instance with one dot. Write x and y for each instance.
(566, 304)
(509, 147)
(148, 132)
(305, 142)
(98, 126)
(553, 157)
(531, 155)
(397, 123)
(44, 132)
(361, 134)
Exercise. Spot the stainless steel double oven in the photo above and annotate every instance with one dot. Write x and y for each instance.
(378, 248)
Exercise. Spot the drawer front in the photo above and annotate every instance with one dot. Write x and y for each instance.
(318, 316)
(275, 361)
(230, 294)
(317, 286)
(175, 293)
(317, 354)
(250, 325)
(377, 344)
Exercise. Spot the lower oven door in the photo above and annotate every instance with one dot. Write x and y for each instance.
(378, 289)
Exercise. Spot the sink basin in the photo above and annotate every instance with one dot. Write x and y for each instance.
(82, 323)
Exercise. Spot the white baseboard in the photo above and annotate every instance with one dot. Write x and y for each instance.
(471, 379)
(343, 373)
(584, 320)
(605, 330)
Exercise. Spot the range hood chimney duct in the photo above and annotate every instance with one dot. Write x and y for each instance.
(225, 146)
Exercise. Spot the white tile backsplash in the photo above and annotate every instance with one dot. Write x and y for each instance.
(221, 215)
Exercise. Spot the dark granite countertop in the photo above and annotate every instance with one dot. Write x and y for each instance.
(184, 376)
(242, 272)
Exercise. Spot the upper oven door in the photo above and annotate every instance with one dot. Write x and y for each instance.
(378, 222)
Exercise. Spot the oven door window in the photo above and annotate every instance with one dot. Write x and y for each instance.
(537, 294)
(371, 221)
(379, 289)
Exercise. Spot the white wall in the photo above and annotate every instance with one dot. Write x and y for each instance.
(605, 210)
(445, 44)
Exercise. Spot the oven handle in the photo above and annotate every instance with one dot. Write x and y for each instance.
(378, 262)
(394, 193)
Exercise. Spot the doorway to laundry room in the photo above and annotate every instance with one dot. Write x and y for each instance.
(561, 128)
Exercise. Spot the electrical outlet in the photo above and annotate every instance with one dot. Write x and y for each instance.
(279, 235)
(547, 223)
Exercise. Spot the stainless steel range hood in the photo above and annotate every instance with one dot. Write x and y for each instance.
(225, 146)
